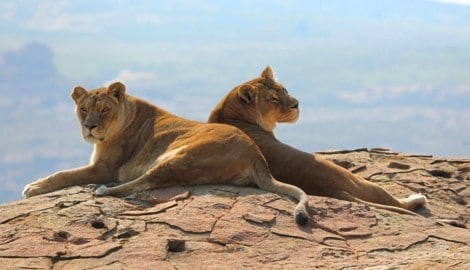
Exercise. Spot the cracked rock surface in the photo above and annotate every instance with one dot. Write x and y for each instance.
(228, 227)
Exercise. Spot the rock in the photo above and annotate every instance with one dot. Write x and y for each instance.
(227, 227)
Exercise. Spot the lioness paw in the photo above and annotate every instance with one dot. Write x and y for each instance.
(418, 199)
(28, 191)
(32, 189)
(102, 190)
(414, 201)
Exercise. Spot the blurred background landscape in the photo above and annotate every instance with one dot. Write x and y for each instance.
(389, 73)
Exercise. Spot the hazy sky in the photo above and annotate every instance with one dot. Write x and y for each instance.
(392, 62)
(86, 35)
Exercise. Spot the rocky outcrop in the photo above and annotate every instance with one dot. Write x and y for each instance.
(227, 227)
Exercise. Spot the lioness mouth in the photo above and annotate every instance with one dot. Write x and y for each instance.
(91, 137)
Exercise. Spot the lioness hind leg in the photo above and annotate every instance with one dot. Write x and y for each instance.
(170, 169)
(343, 195)
(145, 182)
(365, 190)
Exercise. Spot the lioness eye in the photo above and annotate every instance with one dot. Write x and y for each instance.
(105, 110)
(83, 110)
(284, 90)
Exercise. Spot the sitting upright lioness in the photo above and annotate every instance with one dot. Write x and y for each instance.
(145, 147)
(256, 106)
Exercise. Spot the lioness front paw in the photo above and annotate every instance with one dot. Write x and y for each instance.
(32, 189)
(27, 191)
(40, 186)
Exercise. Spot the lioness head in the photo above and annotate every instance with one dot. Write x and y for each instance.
(99, 111)
(262, 101)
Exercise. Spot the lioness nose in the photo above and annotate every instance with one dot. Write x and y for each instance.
(295, 105)
(90, 127)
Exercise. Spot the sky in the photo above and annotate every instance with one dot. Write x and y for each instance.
(314, 46)
(456, 2)
(83, 31)
(389, 73)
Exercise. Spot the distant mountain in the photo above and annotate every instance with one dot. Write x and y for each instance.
(31, 73)
(34, 60)
(32, 114)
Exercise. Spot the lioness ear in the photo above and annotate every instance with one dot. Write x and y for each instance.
(117, 90)
(268, 73)
(77, 93)
(247, 93)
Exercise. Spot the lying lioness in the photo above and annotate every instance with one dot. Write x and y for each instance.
(256, 106)
(145, 147)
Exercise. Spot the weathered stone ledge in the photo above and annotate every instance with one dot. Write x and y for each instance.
(227, 227)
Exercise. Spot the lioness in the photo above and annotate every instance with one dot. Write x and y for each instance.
(256, 106)
(146, 147)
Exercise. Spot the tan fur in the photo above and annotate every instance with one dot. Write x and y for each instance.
(145, 147)
(256, 106)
